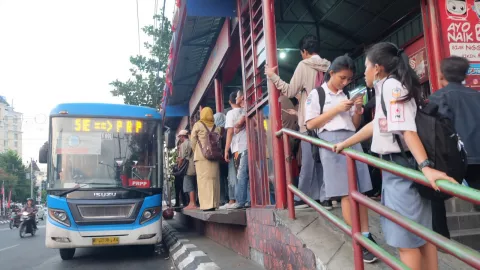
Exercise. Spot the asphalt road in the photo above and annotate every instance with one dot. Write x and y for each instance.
(31, 253)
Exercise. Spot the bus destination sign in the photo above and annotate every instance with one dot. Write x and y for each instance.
(108, 125)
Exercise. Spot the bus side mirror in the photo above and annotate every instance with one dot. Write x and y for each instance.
(43, 154)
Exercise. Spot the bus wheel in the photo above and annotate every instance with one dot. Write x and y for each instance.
(67, 253)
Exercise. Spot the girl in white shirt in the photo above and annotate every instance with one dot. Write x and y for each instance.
(388, 70)
(338, 121)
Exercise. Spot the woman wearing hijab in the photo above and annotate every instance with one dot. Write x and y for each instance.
(208, 173)
(220, 119)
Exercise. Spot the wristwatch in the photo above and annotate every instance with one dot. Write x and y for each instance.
(426, 163)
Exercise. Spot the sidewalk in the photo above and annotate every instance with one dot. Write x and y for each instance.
(223, 257)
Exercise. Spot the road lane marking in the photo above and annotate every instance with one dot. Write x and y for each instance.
(8, 229)
(9, 247)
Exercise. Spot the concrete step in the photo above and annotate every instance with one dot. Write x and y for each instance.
(469, 237)
(458, 205)
(333, 249)
(463, 220)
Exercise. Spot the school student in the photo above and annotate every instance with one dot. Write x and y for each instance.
(304, 79)
(461, 105)
(339, 121)
(388, 70)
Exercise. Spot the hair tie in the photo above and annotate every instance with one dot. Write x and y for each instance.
(399, 52)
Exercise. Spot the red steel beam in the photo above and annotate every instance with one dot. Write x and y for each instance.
(288, 174)
(215, 60)
(179, 34)
(431, 26)
(219, 94)
(275, 110)
(355, 213)
(251, 164)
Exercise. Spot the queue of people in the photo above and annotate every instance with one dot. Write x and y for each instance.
(216, 183)
(324, 107)
(336, 118)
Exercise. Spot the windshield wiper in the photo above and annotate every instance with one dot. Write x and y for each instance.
(77, 188)
(135, 189)
(94, 183)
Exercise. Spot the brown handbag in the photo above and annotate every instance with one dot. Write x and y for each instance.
(212, 150)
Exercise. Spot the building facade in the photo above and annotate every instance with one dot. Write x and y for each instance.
(10, 128)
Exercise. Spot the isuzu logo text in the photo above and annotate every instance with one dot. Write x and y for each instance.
(104, 194)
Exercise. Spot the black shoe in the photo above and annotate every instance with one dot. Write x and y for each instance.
(369, 257)
(327, 204)
(300, 205)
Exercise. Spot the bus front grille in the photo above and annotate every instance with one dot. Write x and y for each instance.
(106, 211)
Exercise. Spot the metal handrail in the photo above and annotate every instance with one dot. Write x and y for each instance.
(462, 252)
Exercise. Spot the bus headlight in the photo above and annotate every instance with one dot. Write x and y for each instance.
(59, 216)
(149, 214)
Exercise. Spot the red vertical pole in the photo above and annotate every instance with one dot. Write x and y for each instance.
(355, 213)
(218, 94)
(275, 112)
(431, 26)
(288, 169)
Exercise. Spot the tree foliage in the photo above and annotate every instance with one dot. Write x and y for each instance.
(144, 88)
(15, 175)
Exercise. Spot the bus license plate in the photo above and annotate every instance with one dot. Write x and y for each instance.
(105, 241)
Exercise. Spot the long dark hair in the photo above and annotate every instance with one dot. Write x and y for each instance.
(340, 63)
(396, 63)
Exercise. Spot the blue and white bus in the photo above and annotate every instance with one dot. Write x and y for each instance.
(104, 177)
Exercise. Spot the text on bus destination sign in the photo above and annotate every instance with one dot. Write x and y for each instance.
(107, 125)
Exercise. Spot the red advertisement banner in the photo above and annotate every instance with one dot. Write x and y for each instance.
(460, 24)
(417, 55)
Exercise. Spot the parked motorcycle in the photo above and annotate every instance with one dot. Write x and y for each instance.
(15, 220)
(27, 221)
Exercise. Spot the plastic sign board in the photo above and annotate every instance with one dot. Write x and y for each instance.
(138, 183)
(460, 26)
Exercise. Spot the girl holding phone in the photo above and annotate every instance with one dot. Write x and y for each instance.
(338, 121)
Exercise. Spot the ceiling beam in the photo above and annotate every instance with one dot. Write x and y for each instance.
(320, 21)
(371, 21)
(294, 26)
(196, 45)
(186, 77)
(295, 22)
(198, 36)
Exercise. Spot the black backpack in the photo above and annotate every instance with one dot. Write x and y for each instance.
(313, 133)
(442, 144)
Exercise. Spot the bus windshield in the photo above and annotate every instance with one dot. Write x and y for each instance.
(102, 152)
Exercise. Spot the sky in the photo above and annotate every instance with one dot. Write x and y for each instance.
(56, 51)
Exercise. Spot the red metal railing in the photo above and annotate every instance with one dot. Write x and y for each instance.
(462, 252)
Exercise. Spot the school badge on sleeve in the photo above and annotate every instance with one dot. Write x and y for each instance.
(397, 112)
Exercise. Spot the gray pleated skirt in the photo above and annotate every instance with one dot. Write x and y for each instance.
(400, 195)
(334, 165)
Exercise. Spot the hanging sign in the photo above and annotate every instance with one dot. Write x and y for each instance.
(417, 55)
(460, 26)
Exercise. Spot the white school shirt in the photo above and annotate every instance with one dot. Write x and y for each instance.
(239, 140)
(341, 121)
(400, 117)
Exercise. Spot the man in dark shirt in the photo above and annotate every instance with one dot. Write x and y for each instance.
(462, 105)
(30, 208)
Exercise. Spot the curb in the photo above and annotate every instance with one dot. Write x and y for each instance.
(4, 221)
(185, 256)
